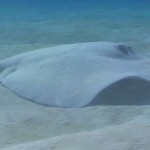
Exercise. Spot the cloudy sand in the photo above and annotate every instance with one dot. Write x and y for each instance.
(29, 25)
(124, 137)
(36, 126)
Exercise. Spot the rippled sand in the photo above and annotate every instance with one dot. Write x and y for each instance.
(25, 125)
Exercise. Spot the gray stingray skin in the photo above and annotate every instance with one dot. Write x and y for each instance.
(78, 75)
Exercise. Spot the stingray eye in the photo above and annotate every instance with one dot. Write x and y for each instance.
(125, 49)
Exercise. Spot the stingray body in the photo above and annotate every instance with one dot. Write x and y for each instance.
(78, 75)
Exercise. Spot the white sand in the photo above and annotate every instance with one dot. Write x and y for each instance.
(130, 136)
(28, 126)
(38, 127)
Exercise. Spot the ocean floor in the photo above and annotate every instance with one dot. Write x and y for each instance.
(25, 125)
(35, 24)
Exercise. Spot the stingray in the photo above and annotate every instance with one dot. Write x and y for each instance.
(79, 75)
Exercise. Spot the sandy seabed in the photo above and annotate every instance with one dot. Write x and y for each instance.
(26, 125)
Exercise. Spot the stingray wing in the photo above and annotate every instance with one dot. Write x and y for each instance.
(66, 76)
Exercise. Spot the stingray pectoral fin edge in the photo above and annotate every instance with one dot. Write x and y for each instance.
(130, 90)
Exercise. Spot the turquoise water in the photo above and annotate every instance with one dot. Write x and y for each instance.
(27, 25)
